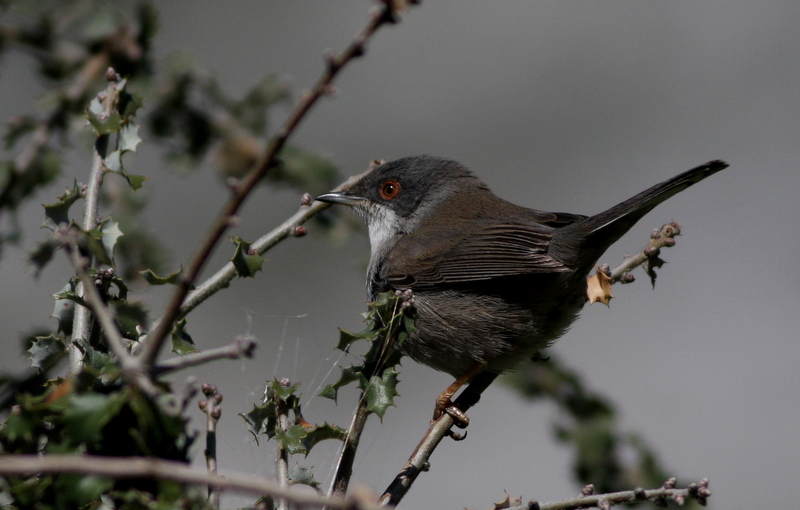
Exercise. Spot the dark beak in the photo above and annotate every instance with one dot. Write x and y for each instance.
(341, 197)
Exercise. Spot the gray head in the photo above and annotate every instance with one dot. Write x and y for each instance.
(394, 197)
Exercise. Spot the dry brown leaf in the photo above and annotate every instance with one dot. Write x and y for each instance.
(508, 502)
(598, 287)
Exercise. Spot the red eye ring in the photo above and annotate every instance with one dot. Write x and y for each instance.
(390, 189)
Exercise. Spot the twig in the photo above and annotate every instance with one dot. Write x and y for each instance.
(344, 466)
(418, 461)
(282, 455)
(82, 321)
(213, 412)
(140, 467)
(242, 346)
(222, 278)
(660, 238)
(131, 367)
(697, 491)
(155, 340)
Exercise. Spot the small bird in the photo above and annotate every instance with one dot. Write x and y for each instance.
(492, 282)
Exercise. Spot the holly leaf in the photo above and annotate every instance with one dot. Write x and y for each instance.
(292, 439)
(129, 137)
(380, 392)
(321, 433)
(58, 213)
(88, 414)
(132, 319)
(45, 350)
(247, 263)
(104, 124)
(598, 287)
(303, 475)
(64, 309)
(110, 235)
(153, 279)
(39, 257)
(261, 420)
(182, 343)
(113, 162)
(129, 104)
(348, 375)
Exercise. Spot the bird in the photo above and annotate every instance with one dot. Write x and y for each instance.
(492, 282)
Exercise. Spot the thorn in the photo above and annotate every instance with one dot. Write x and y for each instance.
(111, 75)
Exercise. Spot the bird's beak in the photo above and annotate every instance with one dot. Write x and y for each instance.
(341, 197)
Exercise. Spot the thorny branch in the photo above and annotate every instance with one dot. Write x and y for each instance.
(698, 491)
(242, 346)
(150, 467)
(156, 338)
(83, 321)
(213, 412)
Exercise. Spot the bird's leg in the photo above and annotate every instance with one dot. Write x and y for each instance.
(444, 404)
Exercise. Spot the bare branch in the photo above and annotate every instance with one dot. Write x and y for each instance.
(222, 278)
(697, 491)
(140, 467)
(82, 322)
(213, 412)
(440, 428)
(155, 340)
(242, 346)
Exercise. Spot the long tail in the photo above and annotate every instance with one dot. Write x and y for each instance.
(596, 233)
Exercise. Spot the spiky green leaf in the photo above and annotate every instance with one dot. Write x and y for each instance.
(45, 350)
(292, 439)
(64, 309)
(182, 343)
(58, 213)
(380, 392)
(303, 475)
(153, 279)
(110, 124)
(261, 420)
(245, 262)
(129, 137)
(349, 374)
(321, 433)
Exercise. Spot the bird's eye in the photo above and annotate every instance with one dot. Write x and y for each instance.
(390, 189)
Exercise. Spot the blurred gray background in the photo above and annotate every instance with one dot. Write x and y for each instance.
(558, 105)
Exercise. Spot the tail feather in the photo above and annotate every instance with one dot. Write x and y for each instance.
(597, 233)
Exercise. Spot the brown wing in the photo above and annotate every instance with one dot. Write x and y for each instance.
(493, 251)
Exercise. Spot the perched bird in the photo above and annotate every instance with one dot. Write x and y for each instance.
(492, 282)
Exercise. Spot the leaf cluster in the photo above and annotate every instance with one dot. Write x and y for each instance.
(606, 457)
(84, 415)
(389, 324)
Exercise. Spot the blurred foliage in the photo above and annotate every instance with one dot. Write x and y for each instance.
(609, 459)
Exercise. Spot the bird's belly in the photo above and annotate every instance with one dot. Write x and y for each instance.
(456, 329)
